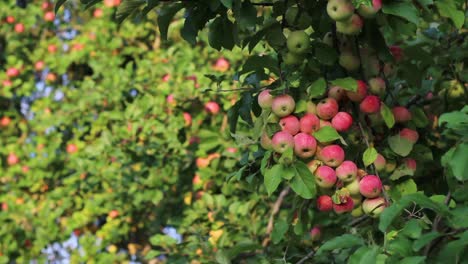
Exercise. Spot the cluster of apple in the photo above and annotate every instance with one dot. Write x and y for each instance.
(347, 21)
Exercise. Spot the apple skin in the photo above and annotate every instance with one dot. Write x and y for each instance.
(357, 212)
(292, 59)
(345, 207)
(325, 176)
(370, 104)
(410, 164)
(49, 16)
(409, 134)
(360, 93)
(309, 123)
(5, 121)
(282, 141)
(265, 99)
(353, 187)
(370, 11)
(397, 52)
(349, 61)
(98, 12)
(72, 148)
(337, 93)
(380, 162)
(305, 145)
(401, 114)
(315, 233)
(187, 119)
(265, 141)
(313, 165)
(283, 105)
(324, 203)
(221, 65)
(19, 28)
(290, 124)
(298, 42)
(327, 108)
(374, 207)
(332, 155)
(13, 72)
(340, 10)
(342, 121)
(347, 171)
(370, 186)
(212, 108)
(377, 86)
(10, 19)
(353, 26)
(12, 159)
(328, 39)
(39, 65)
(113, 214)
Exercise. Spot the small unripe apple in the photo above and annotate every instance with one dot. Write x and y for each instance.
(290, 124)
(377, 86)
(370, 104)
(298, 42)
(360, 93)
(353, 187)
(292, 59)
(409, 134)
(357, 212)
(349, 61)
(325, 176)
(347, 171)
(328, 39)
(401, 114)
(309, 123)
(332, 155)
(10, 19)
(265, 141)
(324, 203)
(283, 105)
(12, 72)
(49, 16)
(357, 200)
(390, 166)
(337, 93)
(282, 141)
(5, 121)
(344, 207)
(19, 28)
(327, 108)
(113, 214)
(315, 233)
(187, 119)
(370, 186)
(304, 145)
(221, 65)
(98, 12)
(313, 165)
(340, 10)
(212, 108)
(370, 11)
(397, 52)
(39, 65)
(352, 26)
(12, 159)
(265, 99)
(374, 207)
(380, 162)
(410, 164)
(342, 121)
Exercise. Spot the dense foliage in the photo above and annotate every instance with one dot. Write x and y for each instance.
(143, 142)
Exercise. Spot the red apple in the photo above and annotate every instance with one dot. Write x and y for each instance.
(49, 16)
(283, 105)
(370, 104)
(113, 214)
(347, 171)
(342, 121)
(304, 145)
(327, 108)
(290, 124)
(324, 203)
(309, 123)
(409, 134)
(332, 155)
(370, 186)
(401, 114)
(325, 176)
(346, 205)
(315, 233)
(380, 162)
(12, 159)
(19, 28)
(72, 148)
(212, 108)
(360, 93)
(5, 121)
(12, 72)
(282, 141)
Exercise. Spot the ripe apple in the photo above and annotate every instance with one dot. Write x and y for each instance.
(212, 108)
(324, 123)
(332, 155)
(346, 205)
(283, 105)
(39, 65)
(352, 26)
(327, 108)
(337, 93)
(52, 48)
(12, 72)
(380, 162)
(72, 148)
(340, 10)
(325, 176)
(360, 93)
(265, 99)
(12, 159)
(282, 141)
(397, 52)
(19, 28)
(290, 124)
(342, 121)
(47, 6)
(370, 186)
(309, 123)
(370, 104)
(315, 233)
(5, 121)
(298, 42)
(374, 207)
(347, 171)
(10, 19)
(221, 65)
(377, 86)
(305, 145)
(49, 16)
(401, 114)
(98, 12)
(409, 134)
(187, 119)
(410, 164)
(113, 214)
(349, 61)
(370, 11)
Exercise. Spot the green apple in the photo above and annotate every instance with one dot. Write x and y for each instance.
(352, 26)
(298, 42)
(293, 59)
(340, 10)
(349, 61)
(328, 39)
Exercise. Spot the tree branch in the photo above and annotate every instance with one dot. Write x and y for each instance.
(274, 210)
(308, 256)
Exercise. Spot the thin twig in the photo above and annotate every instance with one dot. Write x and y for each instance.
(308, 256)
(274, 210)
(358, 220)
(436, 222)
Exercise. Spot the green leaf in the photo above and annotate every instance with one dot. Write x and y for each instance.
(400, 146)
(457, 121)
(412, 229)
(216, 33)
(279, 230)
(356, 257)
(419, 118)
(343, 241)
(458, 162)
(165, 17)
(317, 88)
(369, 156)
(425, 239)
(243, 246)
(326, 134)
(441, 199)
(227, 3)
(370, 256)
(222, 257)
(288, 172)
(325, 54)
(126, 8)
(413, 260)
(448, 8)
(303, 183)
(273, 177)
(405, 10)
(387, 116)
(401, 171)
(347, 83)
(247, 15)
(407, 187)
(452, 251)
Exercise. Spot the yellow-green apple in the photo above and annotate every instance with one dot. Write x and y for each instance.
(352, 26)
(283, 105)
(380, 162)
(374, 207)
(293, 59)
(377, 86)
(298, 42)
(340, 10)
(265, 141)
(349, 61)
(265, 99)
(298, 18)
(282, 141)
(353, 187)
